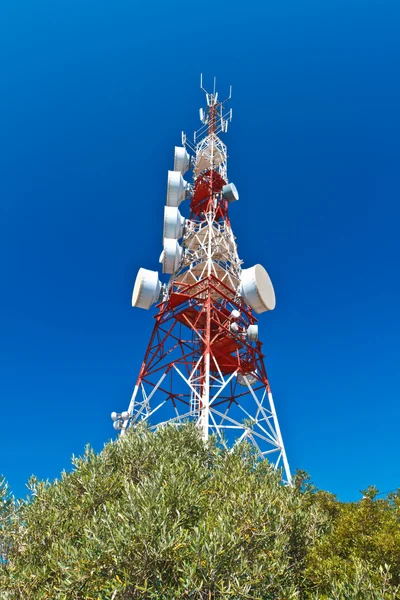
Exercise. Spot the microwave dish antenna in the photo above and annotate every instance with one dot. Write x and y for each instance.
(257, 289)
(177, 188)
(174, 223)
(146, 289)
(181, 160)
(171, 256)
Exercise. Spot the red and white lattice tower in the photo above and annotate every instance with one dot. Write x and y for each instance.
(204, 361)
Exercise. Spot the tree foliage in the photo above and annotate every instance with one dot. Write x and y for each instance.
(162, 515)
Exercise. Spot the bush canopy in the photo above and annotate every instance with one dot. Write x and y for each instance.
(161, 515)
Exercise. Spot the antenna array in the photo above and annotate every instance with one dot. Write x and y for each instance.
(204, 359)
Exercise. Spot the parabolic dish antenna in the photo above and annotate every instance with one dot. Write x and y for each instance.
(174, 223)
(171, 256)
(252, 333)
(177, 189)
(181, 160)
(251, 378)
(230, 192)
(256, 289)
(146, 289)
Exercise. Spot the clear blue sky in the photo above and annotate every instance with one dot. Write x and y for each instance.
(94, 97)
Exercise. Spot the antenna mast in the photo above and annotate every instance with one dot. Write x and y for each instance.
(204, 360)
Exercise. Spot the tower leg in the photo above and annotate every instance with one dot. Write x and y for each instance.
(280, 439)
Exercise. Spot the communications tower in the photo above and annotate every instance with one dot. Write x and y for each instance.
(204, 361)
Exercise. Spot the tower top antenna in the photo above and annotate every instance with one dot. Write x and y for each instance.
(214, 117)
(212, 98)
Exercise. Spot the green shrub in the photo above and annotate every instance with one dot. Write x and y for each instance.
(161, 515)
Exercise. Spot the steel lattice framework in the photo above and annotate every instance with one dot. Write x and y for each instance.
(201, 364)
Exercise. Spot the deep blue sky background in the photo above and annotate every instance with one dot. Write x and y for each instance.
(94, 95)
